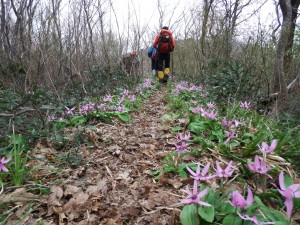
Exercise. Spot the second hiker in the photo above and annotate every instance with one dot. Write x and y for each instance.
(165, 44)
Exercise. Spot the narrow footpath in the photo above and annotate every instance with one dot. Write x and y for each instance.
(116, 186)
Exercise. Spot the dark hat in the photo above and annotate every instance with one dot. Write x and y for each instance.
(165, 27)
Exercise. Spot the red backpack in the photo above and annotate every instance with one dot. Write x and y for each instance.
(164, 42)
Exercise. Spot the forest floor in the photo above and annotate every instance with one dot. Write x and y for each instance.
(113, 184)
(108, 180)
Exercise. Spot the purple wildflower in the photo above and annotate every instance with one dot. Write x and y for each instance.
(194, 196)
(132, 98)
(211, 115)
(107, 98)
(230, 135)
(265, 148)
(239, 201)
(69, 111)
(253, 219)
(102, 107)
(181, 121)
(227, 172)
(185, 137)
(125, 92)
(120, 108)
(290, 192)
(211, 105)
(3, 161)
(259, 166)
(121, 100)
(198, 175)
(194, 102)
(197, 110)
(245, 105)
(226, 123)
(236, 123)
(181, 147)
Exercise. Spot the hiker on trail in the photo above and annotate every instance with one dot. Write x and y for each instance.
(165, 44)
(152, 54)
(130, 64)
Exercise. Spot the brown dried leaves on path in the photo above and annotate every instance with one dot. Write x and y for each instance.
(115, 184)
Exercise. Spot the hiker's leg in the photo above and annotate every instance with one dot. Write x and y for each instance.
(167, 67)
(154, 66)
(160, 60)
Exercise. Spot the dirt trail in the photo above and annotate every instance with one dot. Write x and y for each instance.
(117, 187)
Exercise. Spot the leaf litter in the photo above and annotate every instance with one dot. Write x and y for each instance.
(113, 184)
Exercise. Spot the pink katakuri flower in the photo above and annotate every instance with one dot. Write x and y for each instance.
(230, 135)
(194, 196)
(226, 123)
(265, 148)
(181, 147)
(107, 98)
(3, 161)
(290, 192)
(245, 105)
(181, 120)
(69, 111)
(259, 166)
(227, 172)
(198, 175)
(185, 137)
(253, 219)
(239, 201)
(197, 110)
(211, 105)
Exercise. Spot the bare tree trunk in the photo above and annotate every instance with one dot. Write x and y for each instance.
(207, 8)
(4, 29)
(280, 82)
(288, 56)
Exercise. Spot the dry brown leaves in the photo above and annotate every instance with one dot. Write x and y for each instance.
(115, 185)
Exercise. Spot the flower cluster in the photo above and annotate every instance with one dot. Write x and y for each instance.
(109, 103)
(203, 175)
(181, 145)
(260, 165)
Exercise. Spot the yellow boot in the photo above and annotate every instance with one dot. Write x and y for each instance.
(166, 74)
(167, 71)
(160, 75)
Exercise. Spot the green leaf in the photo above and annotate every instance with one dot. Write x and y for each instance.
(155, 172)
(227, 208)
(174, 129)
(78, 120)
(282, 223)
(217, 132)
(59, 124)
(207, 213)
(273, 214)
(169, 168)
(188, 215)
(258, 201)
(197, 127)
(182, 173)
(232, 220)
(125, 117)
(288, 181)
(234, 144)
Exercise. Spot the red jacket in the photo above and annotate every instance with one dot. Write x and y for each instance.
(164, 32)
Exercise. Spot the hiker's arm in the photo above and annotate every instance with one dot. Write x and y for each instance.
(155, 41)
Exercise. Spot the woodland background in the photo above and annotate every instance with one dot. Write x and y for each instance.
(48, 53)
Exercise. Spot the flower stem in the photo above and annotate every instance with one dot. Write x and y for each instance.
(264, 185)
